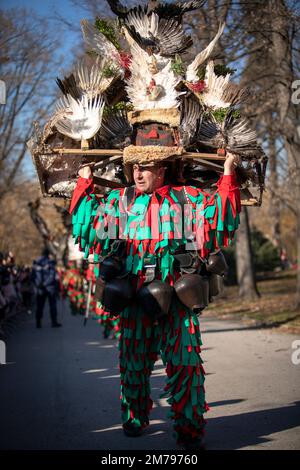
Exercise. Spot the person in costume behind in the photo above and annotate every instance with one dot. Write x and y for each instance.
(151, 237)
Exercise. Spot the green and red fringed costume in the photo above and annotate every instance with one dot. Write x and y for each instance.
(73, 286)
(109, 324)
(214, 219)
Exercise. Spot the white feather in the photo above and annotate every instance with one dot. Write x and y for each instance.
(81, 119)
(140, 79)
(215, 87)
(91, 79)
(191, 72)
(144, 24)
(141, 76)
(97, 42)
(138, 54)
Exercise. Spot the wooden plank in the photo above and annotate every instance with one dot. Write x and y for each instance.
(116, 152)
(204, 156)
(104, 152)
(107, 183)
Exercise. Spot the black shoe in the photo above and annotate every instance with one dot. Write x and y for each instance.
(194, 444)
(132, 430)
(56, 325)
(38, 324)
(191, 443)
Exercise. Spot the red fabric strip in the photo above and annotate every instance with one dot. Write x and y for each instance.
(83, 184)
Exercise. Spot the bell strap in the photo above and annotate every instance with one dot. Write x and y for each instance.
(149, 265)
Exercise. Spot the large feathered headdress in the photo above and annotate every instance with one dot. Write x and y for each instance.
(146, 99)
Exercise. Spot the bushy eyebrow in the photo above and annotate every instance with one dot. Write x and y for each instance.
(143, 167)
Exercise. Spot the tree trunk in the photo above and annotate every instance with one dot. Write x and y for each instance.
(282, 46)
(274, 199)
(244, 259)
(59, 247)
(297, 202)
(42, 227)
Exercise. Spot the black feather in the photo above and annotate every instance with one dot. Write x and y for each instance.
(68, 86)
(169, 41)
(148, 44)
(190, 119)
(117, 8)
(167, 11)
(178, 9)
(115, 131)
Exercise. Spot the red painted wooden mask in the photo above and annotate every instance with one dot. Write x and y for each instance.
(154, 134)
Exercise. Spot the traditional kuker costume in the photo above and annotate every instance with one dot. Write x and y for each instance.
(161, 273)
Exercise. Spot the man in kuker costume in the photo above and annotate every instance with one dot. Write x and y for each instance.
(175, 335)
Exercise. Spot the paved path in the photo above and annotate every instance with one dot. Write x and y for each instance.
(60, 390)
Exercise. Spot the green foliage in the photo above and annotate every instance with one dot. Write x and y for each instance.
(201, 72)
(219, 70)
(109, 70)
(223, 70)
(108, 30)
(177, 65)
(122, 105)
(265, 254)
(220, 114)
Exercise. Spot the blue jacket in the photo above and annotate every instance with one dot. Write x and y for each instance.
(44, 275)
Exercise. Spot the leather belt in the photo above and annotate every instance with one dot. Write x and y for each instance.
(186, 262)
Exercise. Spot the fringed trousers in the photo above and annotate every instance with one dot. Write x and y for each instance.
(177, 339)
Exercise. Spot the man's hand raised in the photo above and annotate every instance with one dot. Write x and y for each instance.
(85, 172)
(230, 163)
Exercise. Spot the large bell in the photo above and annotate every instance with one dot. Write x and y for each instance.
(216, 263)
(117, 295)
(215, 285)
(155, 298)
(193, 291)
(110, 268)
(99, 290)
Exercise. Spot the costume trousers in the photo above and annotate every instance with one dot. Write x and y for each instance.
(177, 339)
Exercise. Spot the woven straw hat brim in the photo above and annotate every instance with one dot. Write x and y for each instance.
(149, 154)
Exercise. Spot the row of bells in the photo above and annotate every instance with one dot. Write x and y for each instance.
(193, 290)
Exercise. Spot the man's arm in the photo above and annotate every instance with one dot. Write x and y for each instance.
(217, 215)
(230, 164)
(91, 216)
(83, 208)
(83, 187)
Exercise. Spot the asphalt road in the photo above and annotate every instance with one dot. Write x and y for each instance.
(60, 390)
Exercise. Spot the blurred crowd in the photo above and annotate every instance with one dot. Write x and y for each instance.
(76, 283)
(16, 289)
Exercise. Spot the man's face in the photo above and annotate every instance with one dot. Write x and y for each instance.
(148, 178)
